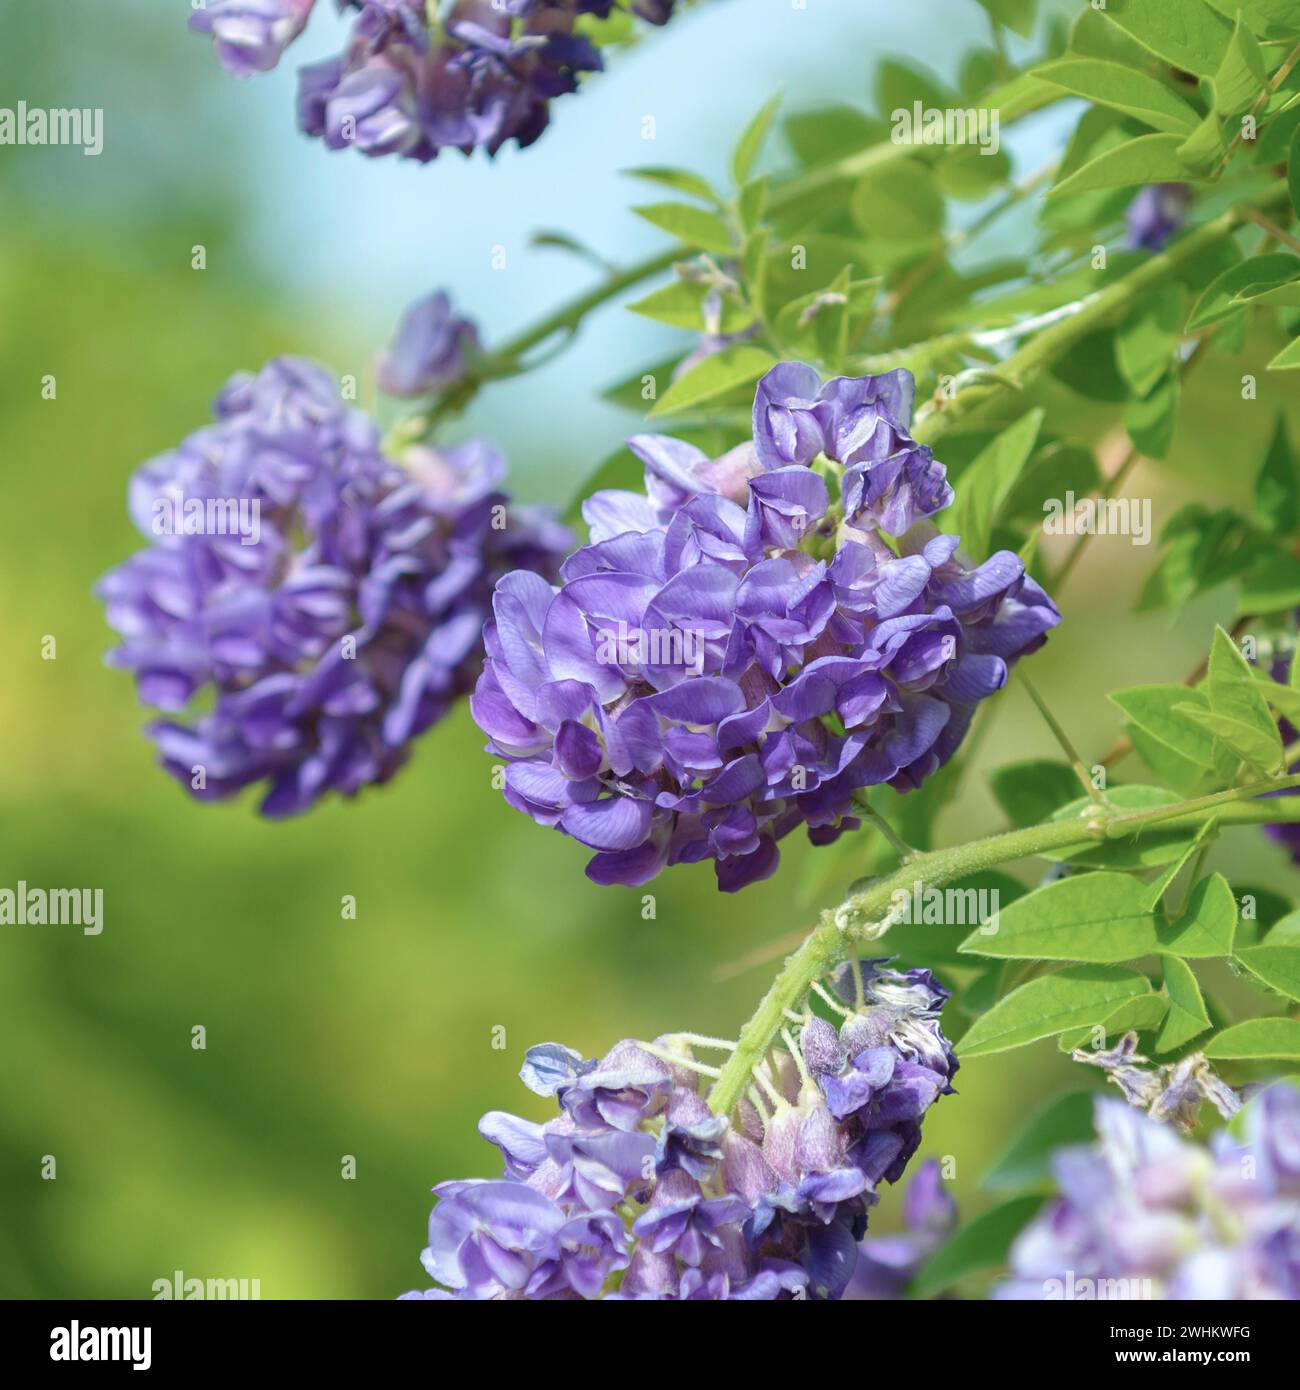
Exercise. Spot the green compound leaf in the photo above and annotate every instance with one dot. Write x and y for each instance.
(1187, 1018)
(1078, 997)
(1258, 1038)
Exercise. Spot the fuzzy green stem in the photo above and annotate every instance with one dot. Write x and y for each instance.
(859, 916)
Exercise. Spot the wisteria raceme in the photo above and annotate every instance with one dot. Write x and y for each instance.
(484, 74)
(316, 604)
(735, 654)
(637, 1190)
(1144, 1213)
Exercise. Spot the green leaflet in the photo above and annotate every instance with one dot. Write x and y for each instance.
(1015, 14)
(1188, 33)
(1242, 74)
(1157, 889)
(1154, 708)
(1206, 926)
(1030, 791)
(1067, 1120)
(679, 180)
(690, 224)
(988, 481)
(1077, 997)
(1277, 485)
(1146, 159)
(1187, 1018)
(1101, 917)
(1278, 966)
(1145, 343)
(1286, 359)
(1127, 90)
(1262, 1038)
(714, 376)
(1150, 422)
(1256, 274)
(1235, 695)
(1134, 1015)
(979, 1245)
(899, 203)
(751, 141)
(1252, 745)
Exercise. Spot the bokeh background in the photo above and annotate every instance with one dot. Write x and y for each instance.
(373, 1037)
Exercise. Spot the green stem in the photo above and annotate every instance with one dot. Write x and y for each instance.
(860, 916)
(940, 416)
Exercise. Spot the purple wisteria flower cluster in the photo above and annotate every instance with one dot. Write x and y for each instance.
(416, 79)
(737, 652)
(638, 1190)
(1144, 1213)
(311, 603)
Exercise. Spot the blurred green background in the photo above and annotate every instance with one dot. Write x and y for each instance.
(372, 1037)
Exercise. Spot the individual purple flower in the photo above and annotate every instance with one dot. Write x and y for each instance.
(251, 35)
(308, 606)
(731, 657)
(1146, 1213)
(683, 1222)
(431, 350)
(489, 1238)
(1155, 214)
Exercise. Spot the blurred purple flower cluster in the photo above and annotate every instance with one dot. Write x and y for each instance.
(637, 1190)
(1144, 1213)
(314, 605)
(482, 73)
(737, 653)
